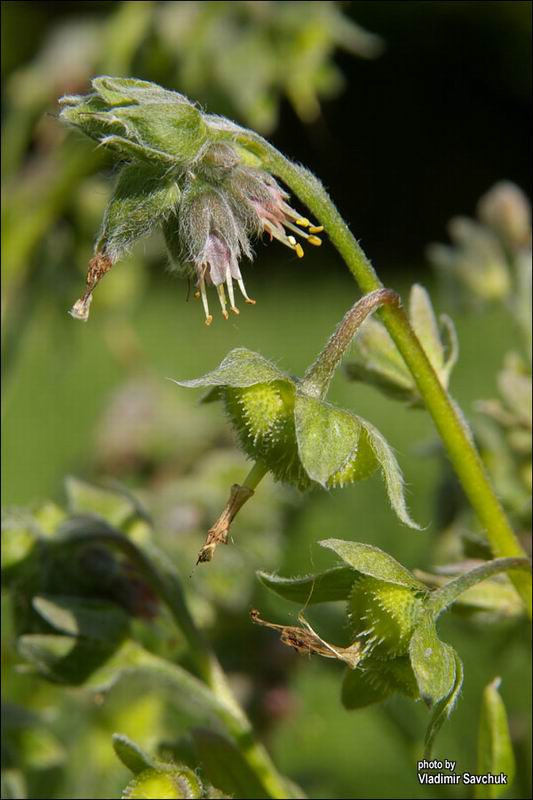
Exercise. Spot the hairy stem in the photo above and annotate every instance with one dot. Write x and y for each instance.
(446, 414)
(318, 377)
(442, 598)
(165, 581)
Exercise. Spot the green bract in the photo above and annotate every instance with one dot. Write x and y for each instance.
(393, 616)
(302, 439)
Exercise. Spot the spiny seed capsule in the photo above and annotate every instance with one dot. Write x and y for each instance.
(263, 417)
(384, 615)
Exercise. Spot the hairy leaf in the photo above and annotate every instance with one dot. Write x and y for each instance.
(131, 755)
(433, 662)
(370, 560)
(74, 616)
(142, 199)
(240, 368)
(333, 584)
(391, 473)
(327, 437)
(442, 710)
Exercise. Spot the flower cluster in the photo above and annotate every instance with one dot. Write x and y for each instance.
(179, 175)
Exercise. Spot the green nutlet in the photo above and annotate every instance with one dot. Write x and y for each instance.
(263, 417)
(384, 615)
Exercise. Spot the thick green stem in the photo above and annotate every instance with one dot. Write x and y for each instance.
(166, 583)
(446, 415)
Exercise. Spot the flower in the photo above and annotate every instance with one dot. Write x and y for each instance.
(218, 218)
(180, 176)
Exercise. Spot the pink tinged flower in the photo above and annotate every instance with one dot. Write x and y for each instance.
(277, 217)
(218, 265)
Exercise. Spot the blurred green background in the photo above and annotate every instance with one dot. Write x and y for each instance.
(405, 135)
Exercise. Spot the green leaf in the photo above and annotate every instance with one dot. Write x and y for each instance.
(131, 755)
(391, 473)
(240, 368)
(176, 129)
(142, 199)
(64, 659)
(225, 766)
(425, 325)
(113, 506)
(444, 597)
(95, 619)
(442, 710)
(433, 661)
(186, 692)
(123, 91)
(370, 560)
(495, 749)
(327, 437)
(450, 346)
(325, 587)
(137, 152)
(362, 688)
(378, 362)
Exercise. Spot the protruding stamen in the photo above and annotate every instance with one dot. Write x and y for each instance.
(299, 250)
(316, 229)
(291, 240)
(311, 239)
(203, 295)
(303, 222)
(222, 298)
(229, 284)
(247, 299)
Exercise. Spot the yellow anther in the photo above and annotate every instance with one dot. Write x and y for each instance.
(208, 320)
(299, 250)
(316, 229)
(314, 240)
(303, 222)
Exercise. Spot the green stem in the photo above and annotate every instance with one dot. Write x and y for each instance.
(255, 476)
(448, 418)
(166, 583)
(442, 598)
(318, 377)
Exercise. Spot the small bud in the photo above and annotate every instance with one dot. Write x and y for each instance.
(506, 209)
(378, 362)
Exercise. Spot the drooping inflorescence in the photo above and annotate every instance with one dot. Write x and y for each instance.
(208, 199)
